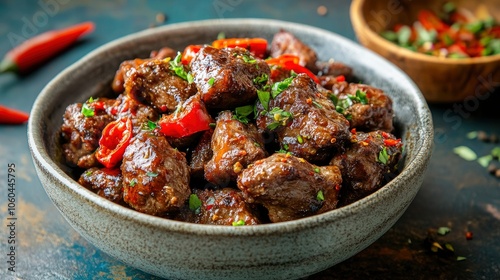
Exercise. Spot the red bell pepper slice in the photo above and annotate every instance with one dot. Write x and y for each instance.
(12, 116)
(189, 53)
(114, 140)
(34, 51)
(189, 118)
(257, 46)
(431, 21)
(291, 62)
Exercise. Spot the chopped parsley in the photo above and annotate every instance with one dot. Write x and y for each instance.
(320, 196)
(248, 58)
(279, 87)
(264, 97)
(133, 182)
(300, 139)
(316, 170)
(178, 68)
(383, 157)
(211, 81)
(150, 125)
(360, 97)
(315, 103)
(238, 223)
(88, 111)
(261, 80)
(465, 153)
(241, 113)
(443, 230)
(194, 203)
(280, 116)
(88, 172)
(343, 104)
(152, 174)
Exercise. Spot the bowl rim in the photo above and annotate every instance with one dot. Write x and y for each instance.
(359, 22)
(41, 157)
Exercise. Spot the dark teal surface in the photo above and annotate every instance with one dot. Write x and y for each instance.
(457, 194)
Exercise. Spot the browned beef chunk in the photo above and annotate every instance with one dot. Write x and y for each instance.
(201, 154)
(226, 78)
(365, 114)
(140, 114)
(333, 68)
(222, 207)
(305, 121)
(81, 134)
(106, 182)
(155, 175)
(289, 187)
(163, 53)
(286, 43)
(153, 83)
(235, 145)
(366, 163)
(122, 73)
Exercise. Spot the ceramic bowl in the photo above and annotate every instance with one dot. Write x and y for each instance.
(179, 250)
(440, 79)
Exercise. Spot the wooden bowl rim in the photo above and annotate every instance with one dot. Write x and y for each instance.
(359, 22)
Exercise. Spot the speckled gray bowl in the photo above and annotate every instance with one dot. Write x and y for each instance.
(181, 250)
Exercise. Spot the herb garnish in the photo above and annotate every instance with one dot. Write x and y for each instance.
(241, 113)
(443, 230)
(261, 80)
(465, 153)
(211, 81)
(320, 196)
(88, 111)
(264, 97)
(150, 125)
(383, 157)
(238, 223)
(279, 87)
(152, 174)
(194, 203)
(178, 68)
(360, 97)
(281, 118)
(133, 182)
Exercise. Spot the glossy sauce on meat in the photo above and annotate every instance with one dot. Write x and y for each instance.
(226, 138)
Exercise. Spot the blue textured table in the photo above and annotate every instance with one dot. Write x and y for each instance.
(457, 194)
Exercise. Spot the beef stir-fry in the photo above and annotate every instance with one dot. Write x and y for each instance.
(235, 132)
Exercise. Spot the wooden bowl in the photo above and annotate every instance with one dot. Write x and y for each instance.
(439, 79)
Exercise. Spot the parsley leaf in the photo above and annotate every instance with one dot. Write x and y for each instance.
(320, 196)
(261, 80)
(279, 87)
(211, 81)
(133, 182)
(88, 111)
(241, 113)
(178, 68)
(264, 97)
(194, 203)
(280, 116)
(150, 125)
(383, 157)
(238, 223)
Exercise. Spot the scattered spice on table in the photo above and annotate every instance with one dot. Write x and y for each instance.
(36, 50)
(489, 161)
(322, 10)
(451, 32)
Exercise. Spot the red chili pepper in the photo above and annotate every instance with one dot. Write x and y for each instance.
(38, 49)
(191, 117)
(391, 142)
(12, 116)
(290, 62)
(431, 21)
(114, 140)
(189, 53)
(257, 46)
(340, 78)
